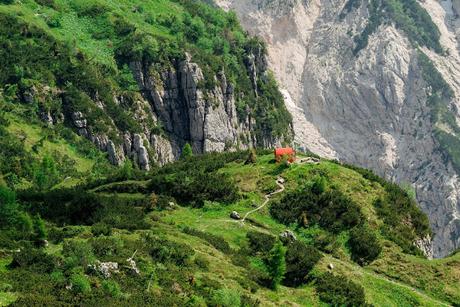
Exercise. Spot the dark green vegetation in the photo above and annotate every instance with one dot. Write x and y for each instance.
(395, 208)
(190, 253)
(75, 231)
(446, 131)
(34, 155)
(60, 57)
(339, 291)
(194, 181)
(407, 15)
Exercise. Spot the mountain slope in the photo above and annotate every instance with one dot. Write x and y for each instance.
(190, 252)
(140, 80)
(373, 83)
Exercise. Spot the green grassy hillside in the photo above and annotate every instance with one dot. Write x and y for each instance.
(175, 224)
(76, 231)
(33, 155)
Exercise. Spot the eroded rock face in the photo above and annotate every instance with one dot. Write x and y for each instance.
(206, 118)
(175, 108)
(368, 109)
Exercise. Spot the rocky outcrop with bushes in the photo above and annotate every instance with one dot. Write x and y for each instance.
(142, 95)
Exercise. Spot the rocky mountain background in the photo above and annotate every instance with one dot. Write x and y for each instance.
(374, 83)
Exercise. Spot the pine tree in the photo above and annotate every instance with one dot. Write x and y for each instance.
(276, 264)
(40, 228)
(187, 151)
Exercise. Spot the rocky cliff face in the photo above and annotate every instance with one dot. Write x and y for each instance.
(176, 104)
(369, 108)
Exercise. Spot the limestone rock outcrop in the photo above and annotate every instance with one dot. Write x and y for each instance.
(176, 105)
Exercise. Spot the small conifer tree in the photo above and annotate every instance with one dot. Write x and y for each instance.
(276, 264)
(187, 151)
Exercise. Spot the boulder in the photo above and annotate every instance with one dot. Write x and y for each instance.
(79, 120)
(287, 236)
(133, 266)
(106, 269)
(235, 215)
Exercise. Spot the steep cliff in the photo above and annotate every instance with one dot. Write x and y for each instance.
(370, 86)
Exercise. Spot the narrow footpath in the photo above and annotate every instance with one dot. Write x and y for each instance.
(280, 183)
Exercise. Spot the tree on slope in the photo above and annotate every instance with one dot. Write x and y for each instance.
(276, 264)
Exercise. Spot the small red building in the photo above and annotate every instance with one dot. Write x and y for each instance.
(287, 153)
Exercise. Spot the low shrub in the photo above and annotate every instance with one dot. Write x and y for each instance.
(339, 291)
(80, 284)
(248, 301)
(58, 234)
(104, 247)
(112, 288)
(300, 260)
(326, 242)
(364, 245)
(165, 251)
(226, 297)
(33, 259)
(217, 242)
(202, 263)
(260, 242)
(77, 253)
(101, 229)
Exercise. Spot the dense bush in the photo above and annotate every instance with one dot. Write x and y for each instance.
(218, 242)
(396, 208)
(194, 180)
(314, 204)
(339, 291)
(276, 264)
(15, 223)
(260, 242)
(33, 259)
(166, 251)
(364, 245)
(105, 247)
(300, 260)
(76, 206)
(80, 284)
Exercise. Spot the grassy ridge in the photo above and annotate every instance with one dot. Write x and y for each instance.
(202, 254)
